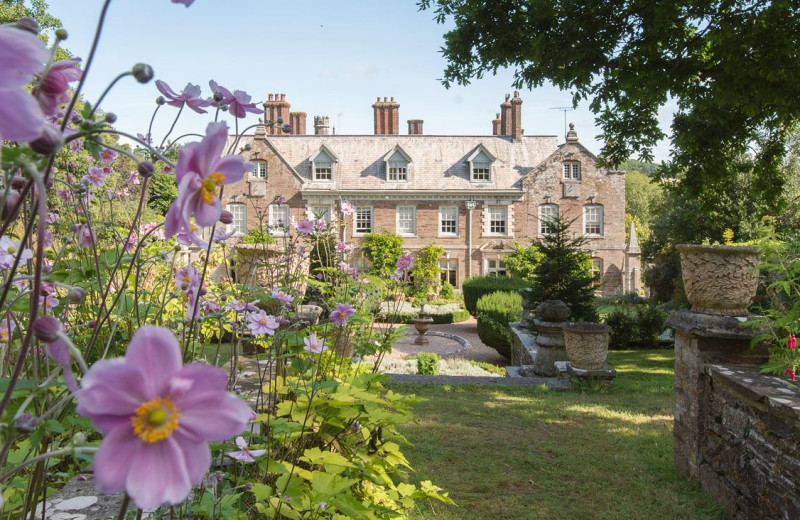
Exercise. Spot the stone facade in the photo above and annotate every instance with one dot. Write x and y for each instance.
(736, 432)
(473, 195)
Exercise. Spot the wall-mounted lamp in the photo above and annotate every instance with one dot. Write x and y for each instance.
(471, 204)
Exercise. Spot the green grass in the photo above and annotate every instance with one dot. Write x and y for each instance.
(523, 453)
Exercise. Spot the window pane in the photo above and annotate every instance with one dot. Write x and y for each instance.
(320, 213)
(406, 220)
(363, 219)
(548, 213)
(239, 212)
(593, 218)
(278, 218)
(323, 170)
(448, 220)
(398, 171)
(497, 220)
(260, 169)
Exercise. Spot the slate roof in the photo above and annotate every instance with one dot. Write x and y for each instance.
(438, 162)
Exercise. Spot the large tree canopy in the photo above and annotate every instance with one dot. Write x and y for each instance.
(731, 65)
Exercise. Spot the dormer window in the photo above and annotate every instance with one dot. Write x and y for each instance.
(480, 165)
(397, 165)
(323, 165)
(572, 170)
(259, 170)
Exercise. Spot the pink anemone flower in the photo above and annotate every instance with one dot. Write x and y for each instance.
(157, 417)
(22, 55)
(190, 96)
(245, 454)
(238, 102)
(53, 89)
(341, 314)
(199, 173)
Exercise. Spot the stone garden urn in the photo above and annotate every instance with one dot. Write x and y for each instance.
(719, 280)
(422, 323)
(551, 316)
(587, 344)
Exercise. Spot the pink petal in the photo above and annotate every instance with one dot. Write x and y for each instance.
(243, 456)
(158, 474)
(112, 387)
(21, 118)
(212, 416)
(22, 54)
(210, 148)
(113, 460)
(197, 456)
(165, 89)
(155, 352)
(207, 214)
(233, 167)
(240, 443)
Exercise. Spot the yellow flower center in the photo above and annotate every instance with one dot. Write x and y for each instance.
(155, 420)
(263, 321)
(209, 189)
(11, 249)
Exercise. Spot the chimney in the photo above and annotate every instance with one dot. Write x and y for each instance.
(276, 107)
(516, 116)
(505, 117)
(298, 122)
(496, 122)
(322, 125)
(415, 126)
(387, 117)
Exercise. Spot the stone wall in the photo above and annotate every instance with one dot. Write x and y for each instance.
(736, 432)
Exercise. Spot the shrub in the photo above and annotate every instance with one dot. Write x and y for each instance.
(652, 321)
(495, 312)
(426, 271)
(447, 292)
(427, 363)
(624, 328)
(382, 250)
(478, 286)
(523, 261)
(257, 236)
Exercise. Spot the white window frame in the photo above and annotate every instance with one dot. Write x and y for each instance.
(239, 224)
(597, 268)
(572, 170)
(496, 267)
(259, 170)
(358, 219)
(494, 223)
(397, 171)
(320, 212)
(278, 213)
(593, 215)
(406, 215)
(448, 214)
(481, 169)
(323, 166)
(547, 213)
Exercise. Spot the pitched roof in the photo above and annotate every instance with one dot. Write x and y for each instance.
(437, 162)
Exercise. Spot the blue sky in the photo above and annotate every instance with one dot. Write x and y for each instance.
(329, 57)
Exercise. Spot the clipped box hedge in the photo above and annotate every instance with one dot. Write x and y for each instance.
(478, 286)
(496, 311)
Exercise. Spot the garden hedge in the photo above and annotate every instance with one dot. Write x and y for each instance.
(496, 311)
(478, 286)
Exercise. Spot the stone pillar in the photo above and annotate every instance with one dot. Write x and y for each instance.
(551, 316)
(702, 339)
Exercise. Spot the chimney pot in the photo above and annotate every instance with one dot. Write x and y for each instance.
(392, 99)
(384, 99)
(270, 97)
(283, 97)
(378, 100)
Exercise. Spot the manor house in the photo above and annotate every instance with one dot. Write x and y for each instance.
(476, 196)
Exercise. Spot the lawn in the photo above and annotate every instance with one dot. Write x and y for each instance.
(519, 453)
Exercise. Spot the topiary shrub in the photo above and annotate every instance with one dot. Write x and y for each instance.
(382, 251)
(496, 311)
(652, 321)
(624, 328)
(427, 363)
(447, 292)
(477, 286)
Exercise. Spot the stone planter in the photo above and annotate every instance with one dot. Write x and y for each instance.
(719, 280)
(587, 344)
(423, 324)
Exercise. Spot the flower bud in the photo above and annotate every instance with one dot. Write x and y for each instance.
(160, 100)
(18, 182)
(248, 486)
(287, 128)
(12, 197)
(110, 118)
(76, 119)
(62, 34)
(279, 121)
(26, 423)
(218, 96)
(178, 248)
(46, 328)
(91, 324)
(76, 294)
(142, 72)
(79, 439)
(145, 168)
(26, 23)
(49, 142)
(226, 217)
